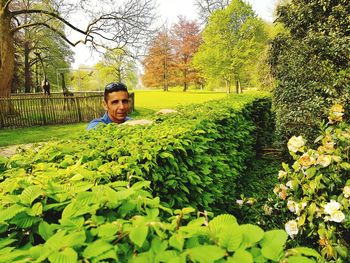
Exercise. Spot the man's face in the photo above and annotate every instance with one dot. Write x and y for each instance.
(117, 106)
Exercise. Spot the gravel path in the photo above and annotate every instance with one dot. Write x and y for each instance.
(8, 151)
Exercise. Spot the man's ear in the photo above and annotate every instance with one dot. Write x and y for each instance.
(105, 105)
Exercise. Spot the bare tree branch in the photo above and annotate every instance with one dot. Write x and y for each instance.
(206, 7)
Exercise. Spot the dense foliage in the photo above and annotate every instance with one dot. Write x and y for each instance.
(315, 188)
(232, 40)
(66, 220)
(191, 157)
(310, 61)
(70, 201)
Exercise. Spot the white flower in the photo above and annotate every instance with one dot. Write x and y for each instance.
(291, 228)
(267, 210)
(292, 206)
(295, 143)
(331, 207)
(337, 216)
(289, 184)
(281, 174)
(324, 160)
(239, 202)
(346, 191)
(306, 160)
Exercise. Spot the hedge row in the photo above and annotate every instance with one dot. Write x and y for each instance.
(92, 199)
(192, 157)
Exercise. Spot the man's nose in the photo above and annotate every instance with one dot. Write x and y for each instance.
(121, 105)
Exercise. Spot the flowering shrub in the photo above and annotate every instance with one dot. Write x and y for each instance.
(316, 188)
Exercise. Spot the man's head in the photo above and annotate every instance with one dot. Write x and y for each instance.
(116, 101)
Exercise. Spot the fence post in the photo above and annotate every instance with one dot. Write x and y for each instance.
(43, 111)
(77, 105)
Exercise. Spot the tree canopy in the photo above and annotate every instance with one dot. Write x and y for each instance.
(232, 40)
(108, 25)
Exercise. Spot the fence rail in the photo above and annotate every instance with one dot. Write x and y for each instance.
(26, 111)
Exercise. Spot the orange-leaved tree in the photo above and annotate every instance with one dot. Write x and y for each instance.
(159, 62)
(186, 39)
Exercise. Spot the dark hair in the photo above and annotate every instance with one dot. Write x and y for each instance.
(114, 87)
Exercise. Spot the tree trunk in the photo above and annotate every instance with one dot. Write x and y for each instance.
(7, 54)
(228, 89)
(237, 86)
(27, 79)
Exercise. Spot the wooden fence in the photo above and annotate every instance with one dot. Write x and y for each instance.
(27, 111)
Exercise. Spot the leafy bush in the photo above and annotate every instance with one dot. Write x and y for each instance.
(316, 189)
(192, 158)
(254, 195)
(310, 62)
(87, 200)
(61, 218)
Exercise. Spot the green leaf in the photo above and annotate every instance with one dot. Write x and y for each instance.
(310, 172)
(177, 241)
(68, 255)
(4, 242)
(138, 235)
(23, 220)
(251, 234)
(299, 259)
(304, 251)
(39, 252)
(10, 212)
(166, 256)
(46, 230)
(206, 253)
(241, 256)
(60, 240)
(107, 230)
(97, 248)
(345, 166)
(166, 155)
(273, 243)
(217, 223)
(35, 210)
(7, 255)
(29, 194)
(230, 237)
(117, 196)
(140, 185)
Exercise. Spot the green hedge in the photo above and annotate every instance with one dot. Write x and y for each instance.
(192, 157)
(92, 199)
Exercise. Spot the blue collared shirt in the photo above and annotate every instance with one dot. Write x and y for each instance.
(105, 119)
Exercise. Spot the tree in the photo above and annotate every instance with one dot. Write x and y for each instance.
(120, 63)
(206, 7)
(185, 41)
(121, 25)
(232, 40)
(310, 61)
(159, 62)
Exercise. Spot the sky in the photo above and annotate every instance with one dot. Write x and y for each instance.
(169, 11)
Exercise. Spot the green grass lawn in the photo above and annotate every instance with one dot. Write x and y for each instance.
(155, 100)
(146, 102)
(40, 134)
